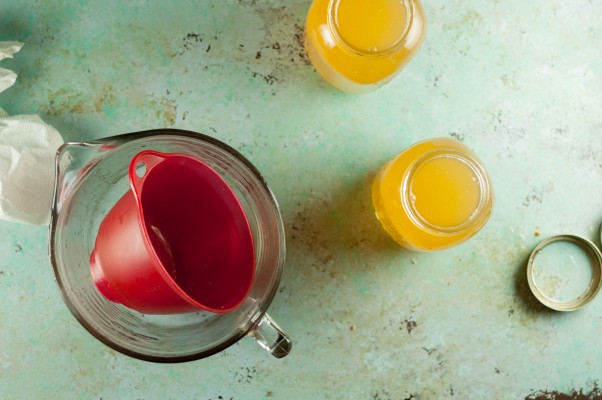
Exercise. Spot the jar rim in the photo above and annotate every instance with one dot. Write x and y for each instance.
(399, 43)
(478, 214)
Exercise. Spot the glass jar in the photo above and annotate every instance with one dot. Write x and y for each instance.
(434, 195)
(359, 45)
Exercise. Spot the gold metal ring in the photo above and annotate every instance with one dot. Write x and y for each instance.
(595, 258)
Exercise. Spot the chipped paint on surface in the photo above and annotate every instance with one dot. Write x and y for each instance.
(580, 394)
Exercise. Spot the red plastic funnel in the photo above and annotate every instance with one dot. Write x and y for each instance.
(178, 241)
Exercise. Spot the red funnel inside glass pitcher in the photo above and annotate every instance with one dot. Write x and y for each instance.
(177, 242)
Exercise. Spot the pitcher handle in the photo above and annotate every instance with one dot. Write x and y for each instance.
(270, 337)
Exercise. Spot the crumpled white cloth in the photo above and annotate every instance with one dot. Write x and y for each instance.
(27, 158)
(27, 163)
(8, 77)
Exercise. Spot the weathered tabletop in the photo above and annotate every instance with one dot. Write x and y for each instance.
(518, 81)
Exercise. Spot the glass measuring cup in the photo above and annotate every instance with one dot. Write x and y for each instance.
(90, 178)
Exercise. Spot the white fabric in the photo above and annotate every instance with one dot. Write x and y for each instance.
(7, 49)
(27, 149)
(8, 77)
(27, 152)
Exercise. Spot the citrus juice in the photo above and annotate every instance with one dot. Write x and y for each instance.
(357, 45)
(434, 195)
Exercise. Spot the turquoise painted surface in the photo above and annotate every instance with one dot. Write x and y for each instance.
(519, 82)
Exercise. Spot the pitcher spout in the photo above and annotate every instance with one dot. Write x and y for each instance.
(72, 160)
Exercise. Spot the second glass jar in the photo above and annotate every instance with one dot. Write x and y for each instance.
(434, 195)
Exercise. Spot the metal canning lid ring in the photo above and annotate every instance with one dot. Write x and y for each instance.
(595, 262)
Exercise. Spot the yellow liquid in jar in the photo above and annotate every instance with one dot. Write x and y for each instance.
(357, 44)
(434, 195)
(370, 26)
(445, 192)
